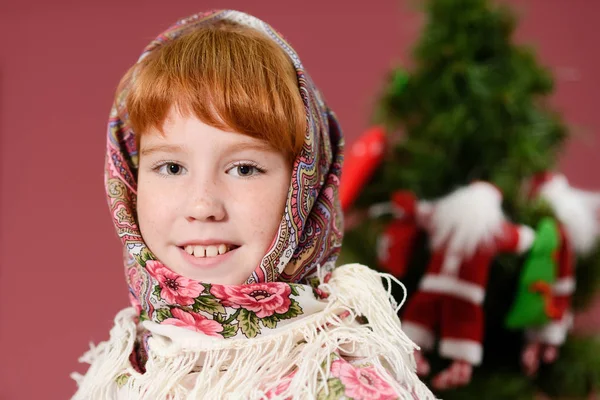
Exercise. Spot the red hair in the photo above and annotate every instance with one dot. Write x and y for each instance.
(228, 76)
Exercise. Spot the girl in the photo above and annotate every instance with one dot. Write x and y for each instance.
(222, 172)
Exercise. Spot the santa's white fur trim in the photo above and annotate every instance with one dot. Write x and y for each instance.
(451, 265)
(564, 286)
(386, 208)
(553, 333)
(459, 349)
(526, 238)
(422, 336)
(451, 285)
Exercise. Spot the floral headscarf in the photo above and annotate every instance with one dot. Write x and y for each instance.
(310, 232)
(299, 327)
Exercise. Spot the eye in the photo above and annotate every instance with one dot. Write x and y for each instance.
(170, 168)
(245, 170)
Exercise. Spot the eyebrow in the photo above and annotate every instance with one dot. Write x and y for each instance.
(259, 146)
(234, 148)
(162, 148)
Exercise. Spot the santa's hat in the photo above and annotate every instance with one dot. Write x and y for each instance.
(406, 201)
(544, 181)
(576, 209)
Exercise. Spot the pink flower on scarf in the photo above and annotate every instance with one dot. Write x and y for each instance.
(283, 386)
(362, 383)
(264, 299)
(175, 288)
(194, 321)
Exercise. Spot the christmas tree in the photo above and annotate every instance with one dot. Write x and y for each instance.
(475, 107)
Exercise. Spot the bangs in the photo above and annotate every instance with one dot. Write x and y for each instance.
(228, 76)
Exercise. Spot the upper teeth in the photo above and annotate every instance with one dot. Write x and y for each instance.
(206, 251)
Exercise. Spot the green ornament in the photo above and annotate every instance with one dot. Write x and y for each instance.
(533, 302)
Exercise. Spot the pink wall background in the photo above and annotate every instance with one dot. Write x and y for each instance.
(61, 280)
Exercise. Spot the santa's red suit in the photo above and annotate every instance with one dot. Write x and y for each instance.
(449, 299)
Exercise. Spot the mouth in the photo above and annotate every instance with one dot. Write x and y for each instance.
(209, 251)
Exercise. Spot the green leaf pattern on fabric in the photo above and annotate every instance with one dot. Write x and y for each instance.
(270, 322)
(163, 314)
(248, 323)
(122, 380)
(156, 291)
(229, 330)
(335, 390)
(208, 304)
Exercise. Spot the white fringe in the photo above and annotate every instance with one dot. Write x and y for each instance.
(108, 359)
(248, 369)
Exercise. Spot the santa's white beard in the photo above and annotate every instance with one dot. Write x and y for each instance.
(577, 210)
(466, 219)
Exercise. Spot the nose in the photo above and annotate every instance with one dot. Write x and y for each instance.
(206, 202)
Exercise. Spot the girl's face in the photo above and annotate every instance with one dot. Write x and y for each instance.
(209, 201)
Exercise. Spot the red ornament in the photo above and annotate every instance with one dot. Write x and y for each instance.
(364, 157)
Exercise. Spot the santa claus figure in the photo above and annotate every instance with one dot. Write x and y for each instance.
(466, 228)
(396, 243)
(577, 214)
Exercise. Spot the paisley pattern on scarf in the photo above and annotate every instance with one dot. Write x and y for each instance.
(309, 235)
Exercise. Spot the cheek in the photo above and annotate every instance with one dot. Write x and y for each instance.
(153, 209)
(262, 210)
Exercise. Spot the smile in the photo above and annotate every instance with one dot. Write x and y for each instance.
(199, 251)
